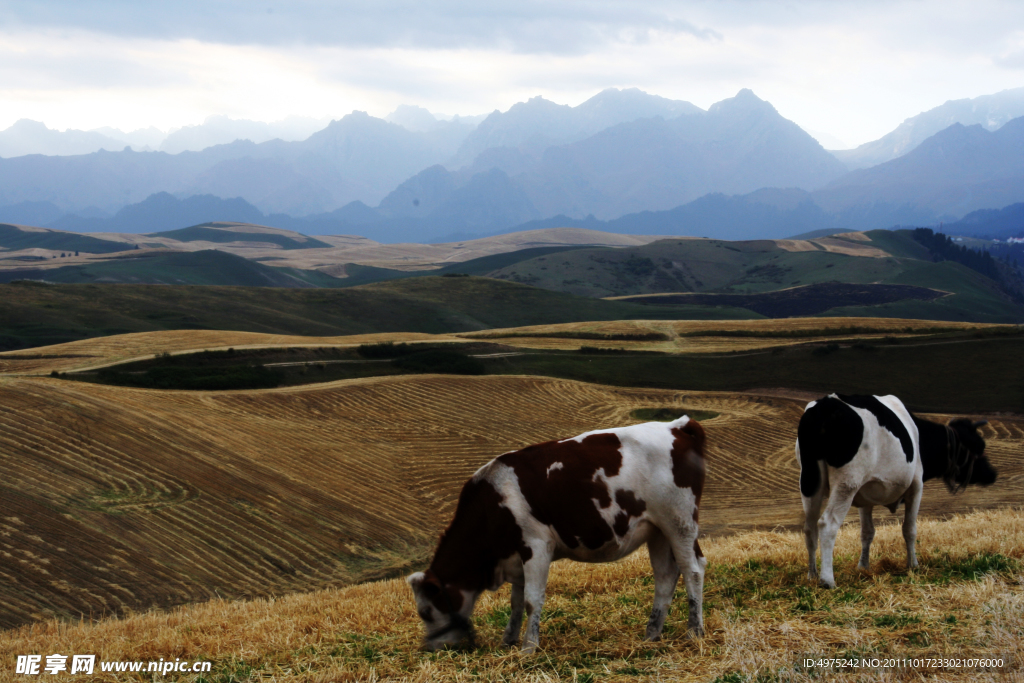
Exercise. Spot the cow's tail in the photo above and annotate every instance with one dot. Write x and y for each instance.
(811, 474)
(810, 446)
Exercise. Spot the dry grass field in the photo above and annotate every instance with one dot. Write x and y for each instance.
(343, 248)
(126, 505)
(762, 618)
(118, 499)
(122, 348)
(697, 336)
(680, 336)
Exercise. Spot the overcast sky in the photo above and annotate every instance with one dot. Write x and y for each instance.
(851, 69)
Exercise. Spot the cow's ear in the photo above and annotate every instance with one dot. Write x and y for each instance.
(415, 581)
(980, 423)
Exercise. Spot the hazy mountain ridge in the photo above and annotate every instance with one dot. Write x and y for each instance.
(537, 124)
(991, 111)
(997, 223)
(956, 171)
(690, 174)
(356, 157)
(740, 145)
(33, 137)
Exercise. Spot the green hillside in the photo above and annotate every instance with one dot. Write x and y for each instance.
(14, 238)
(693, 266)
(35, 314)
(714, 267)
(222, 233)
(207, 267)
(484, 265)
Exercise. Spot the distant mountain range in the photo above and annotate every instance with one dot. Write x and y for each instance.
(33, 137)
(990, 111)
(624, 161)
(958, 170)
(990, 223)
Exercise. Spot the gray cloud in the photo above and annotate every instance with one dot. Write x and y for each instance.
(521, 26)
(1013, 60)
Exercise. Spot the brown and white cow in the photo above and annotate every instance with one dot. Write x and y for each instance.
(593, 498)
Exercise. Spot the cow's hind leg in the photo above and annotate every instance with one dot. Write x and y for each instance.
(515, 617)
(828, 528)
(666, 576)
(536, 572)
(812, 511)
(691, 563)
(867, 534)
(911, 503)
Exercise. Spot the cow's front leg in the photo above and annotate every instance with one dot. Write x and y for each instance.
(536, 573)
(828, 528)
(867, 534)
(666, 576)
(515, 617)
(911, 503)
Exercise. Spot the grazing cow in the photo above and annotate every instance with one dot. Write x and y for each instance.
(593, 498)
(870, 450)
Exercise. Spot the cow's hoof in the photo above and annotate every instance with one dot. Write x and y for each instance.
(528, 649)
(828, 585)
(695, 632)
(653, 637)
(509, 644)
(812, 576)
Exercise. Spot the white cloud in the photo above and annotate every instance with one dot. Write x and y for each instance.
(852, 70)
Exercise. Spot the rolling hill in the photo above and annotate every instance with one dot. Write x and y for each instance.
(523, 284)
(35, 314)
(877, 261)
(153, 266)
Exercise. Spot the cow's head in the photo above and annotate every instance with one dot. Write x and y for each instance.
(968, 463)
(444, 609)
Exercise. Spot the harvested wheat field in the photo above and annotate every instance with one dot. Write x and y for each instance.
(762, 618)
(119, 499)
(122, 348)
(714, 336)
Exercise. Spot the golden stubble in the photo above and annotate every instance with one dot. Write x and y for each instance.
(595, 616)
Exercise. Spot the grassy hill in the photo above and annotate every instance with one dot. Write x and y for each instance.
(759, 267)
(233, 232)
(207, 267)
(13, 238)
(35, 314)
(674, 265)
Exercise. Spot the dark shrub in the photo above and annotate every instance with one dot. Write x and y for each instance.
(441, 360)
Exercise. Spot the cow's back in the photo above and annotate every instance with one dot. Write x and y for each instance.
(877, 430)
(594, 489)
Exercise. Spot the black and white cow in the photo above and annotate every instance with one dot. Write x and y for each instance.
(870, 450)
(593, 498)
